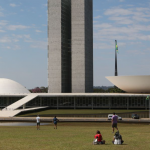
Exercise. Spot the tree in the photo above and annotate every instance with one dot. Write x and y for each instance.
(39, 90)
(36, 90)
(110, 90)
(44, 89)
(115, 90)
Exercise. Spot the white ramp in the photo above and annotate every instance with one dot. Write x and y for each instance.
(12, 113)
(20, 102)
(9, 113)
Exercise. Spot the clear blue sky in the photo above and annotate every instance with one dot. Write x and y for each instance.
(23, 40)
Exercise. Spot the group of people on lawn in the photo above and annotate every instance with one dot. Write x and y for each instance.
(98, 137)
(117, 139)
(55, 120)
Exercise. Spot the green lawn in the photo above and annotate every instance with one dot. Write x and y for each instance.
(79, 111)
(73, 136)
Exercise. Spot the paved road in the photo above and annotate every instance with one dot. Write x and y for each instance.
(74, 119)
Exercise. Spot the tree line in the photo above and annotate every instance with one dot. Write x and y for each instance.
(95, 90)
(110, 90)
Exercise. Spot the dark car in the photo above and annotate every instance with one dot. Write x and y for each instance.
(135, 116)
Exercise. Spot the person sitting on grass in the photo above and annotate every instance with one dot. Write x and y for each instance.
(99, 138)
(55, 120)
(117, 138)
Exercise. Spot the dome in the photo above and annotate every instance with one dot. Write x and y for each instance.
(8, 86)
(132, 84)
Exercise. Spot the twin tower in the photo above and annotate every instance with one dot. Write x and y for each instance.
(70, 46)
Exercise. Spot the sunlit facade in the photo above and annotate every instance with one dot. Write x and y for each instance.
(77, 101)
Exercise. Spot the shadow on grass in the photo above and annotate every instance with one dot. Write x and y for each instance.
(101, 144)
(119, 144)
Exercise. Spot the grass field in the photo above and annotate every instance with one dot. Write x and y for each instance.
(73, 136)
(80, 111)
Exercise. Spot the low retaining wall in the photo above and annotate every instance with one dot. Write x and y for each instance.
(31, 119)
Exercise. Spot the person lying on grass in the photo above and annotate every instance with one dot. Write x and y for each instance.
(99, 138)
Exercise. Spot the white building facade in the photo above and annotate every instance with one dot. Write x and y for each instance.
(70, 46)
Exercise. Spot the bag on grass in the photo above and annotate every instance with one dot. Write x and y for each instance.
(95, 142)
(117, 141)
(117, 138)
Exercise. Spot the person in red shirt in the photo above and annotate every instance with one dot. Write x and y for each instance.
(99, 138)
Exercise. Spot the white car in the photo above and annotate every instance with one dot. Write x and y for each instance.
(119, 118)
(110, 117)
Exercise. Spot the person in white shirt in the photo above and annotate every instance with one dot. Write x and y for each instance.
(38, 122)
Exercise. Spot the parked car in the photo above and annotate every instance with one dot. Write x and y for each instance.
(119, 118)
(110, 117)
(135, 116)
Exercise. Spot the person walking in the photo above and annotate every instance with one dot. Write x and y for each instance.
(114, 121)
(55, 120)
(38, 122)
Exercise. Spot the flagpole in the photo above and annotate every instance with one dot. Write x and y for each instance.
(116, 71)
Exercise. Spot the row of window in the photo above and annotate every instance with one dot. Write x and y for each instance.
(69, 101)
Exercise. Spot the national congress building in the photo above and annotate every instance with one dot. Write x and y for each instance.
(70, 69)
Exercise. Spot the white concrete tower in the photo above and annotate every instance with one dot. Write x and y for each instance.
(82, 45)
(59, 48)
(70, 46)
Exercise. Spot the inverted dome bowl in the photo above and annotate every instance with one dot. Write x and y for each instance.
(132, 84)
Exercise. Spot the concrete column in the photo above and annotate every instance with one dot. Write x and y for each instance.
(40, 101)
(57, 103)
(146, 104)
(7, 101)
(127, 103)
(92, 102)
(109, 102)
(74, 103)
(24, 106)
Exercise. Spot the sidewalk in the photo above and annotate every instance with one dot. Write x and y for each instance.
(73, 119)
